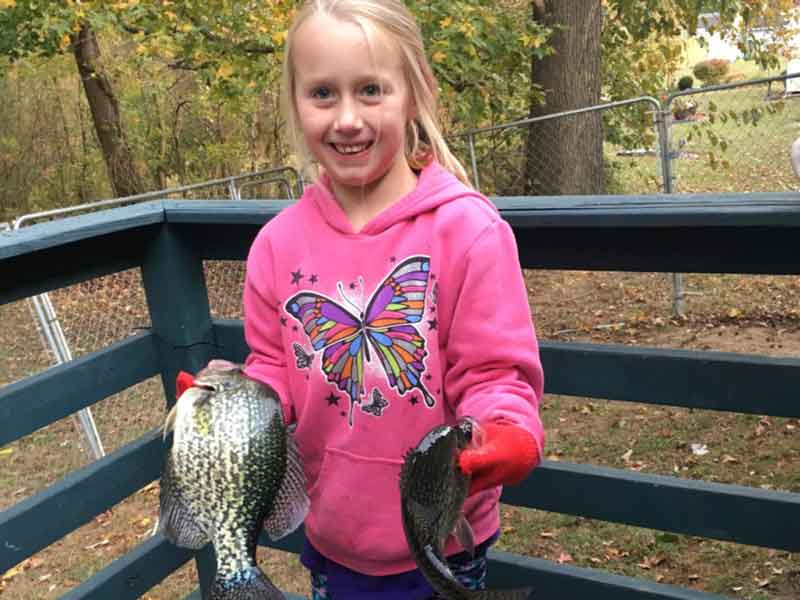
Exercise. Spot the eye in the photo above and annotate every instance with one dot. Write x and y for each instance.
(321, 93)
(371, 89)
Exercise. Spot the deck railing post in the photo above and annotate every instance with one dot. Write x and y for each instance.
(177, 298)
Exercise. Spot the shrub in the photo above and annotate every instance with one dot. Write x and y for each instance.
(712, 71)
(685, 83)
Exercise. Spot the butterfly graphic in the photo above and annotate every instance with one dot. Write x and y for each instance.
(378, 404)
(435, 294)
(303, 359)
(387, 326)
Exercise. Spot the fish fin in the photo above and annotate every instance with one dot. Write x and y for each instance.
(176, 520)
(249, 584)
(440, 565)
(291, 503)
(169, 421)
(464, 535)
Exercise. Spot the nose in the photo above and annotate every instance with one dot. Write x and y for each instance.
(348, 118)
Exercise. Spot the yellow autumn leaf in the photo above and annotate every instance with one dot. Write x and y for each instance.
(445, 23)
(64, 42)
(225, 70)
(438, 56)
(279, 37)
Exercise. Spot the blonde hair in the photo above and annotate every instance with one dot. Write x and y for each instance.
(424, 139)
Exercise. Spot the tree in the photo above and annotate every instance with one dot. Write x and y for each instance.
(565, 156)
(637, 42)
(42, 28)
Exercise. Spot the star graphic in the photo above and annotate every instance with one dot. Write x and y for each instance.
(342, 414)
(283, 321)
(313, 279)
(332, 400)
(295, 328)
(352, 286)
(392, 259)
(433, 276)
(428, 377)
(414, 401)
(297, 276)
(432, 324)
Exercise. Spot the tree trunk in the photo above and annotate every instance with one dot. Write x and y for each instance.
(565, 155)
(103, 104)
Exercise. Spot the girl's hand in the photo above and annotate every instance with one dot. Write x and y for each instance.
(506, 455)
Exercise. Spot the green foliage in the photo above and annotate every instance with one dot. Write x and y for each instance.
(685, 83)
(478, 51)
(712, 71)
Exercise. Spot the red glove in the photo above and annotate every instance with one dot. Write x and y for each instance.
(506, 455)
(183, 382)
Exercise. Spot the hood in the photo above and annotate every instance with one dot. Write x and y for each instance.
(435, 186)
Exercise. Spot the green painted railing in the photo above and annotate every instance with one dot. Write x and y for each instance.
(738, 233)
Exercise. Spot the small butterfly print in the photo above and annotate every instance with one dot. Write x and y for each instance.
(377, 405)
(303, 360)
(388, 326)
(435, 294)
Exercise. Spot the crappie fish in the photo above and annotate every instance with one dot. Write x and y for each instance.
(432, 490)
(232, 467)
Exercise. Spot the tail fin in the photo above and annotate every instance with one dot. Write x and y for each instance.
(517, 594)
(250, 584)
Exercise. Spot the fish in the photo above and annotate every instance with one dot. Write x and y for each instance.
(232, 466)
(432, 493)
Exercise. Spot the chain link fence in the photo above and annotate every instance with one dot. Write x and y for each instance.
(725, 138)
(67, 323)
(610, 148)
(734, 137)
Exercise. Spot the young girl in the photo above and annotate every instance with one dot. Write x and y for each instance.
(388, 300)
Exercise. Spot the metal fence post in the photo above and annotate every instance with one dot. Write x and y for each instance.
(663, 121)
(475, 177)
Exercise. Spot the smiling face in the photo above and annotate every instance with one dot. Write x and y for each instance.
(353, 104)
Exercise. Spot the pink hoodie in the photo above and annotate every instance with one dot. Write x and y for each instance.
(438, 273)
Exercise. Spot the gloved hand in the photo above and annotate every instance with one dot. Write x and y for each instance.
(183, 382)
(506, 455)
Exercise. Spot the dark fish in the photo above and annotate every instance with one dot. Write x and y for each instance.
(433, 490)
(232, 467)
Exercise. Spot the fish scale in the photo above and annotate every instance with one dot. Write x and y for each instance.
(232, 464)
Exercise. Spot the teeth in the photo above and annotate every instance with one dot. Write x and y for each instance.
(349, 149)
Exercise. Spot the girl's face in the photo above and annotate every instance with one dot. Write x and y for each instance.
(353, 104)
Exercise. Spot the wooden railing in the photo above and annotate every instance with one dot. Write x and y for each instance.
(739, 233)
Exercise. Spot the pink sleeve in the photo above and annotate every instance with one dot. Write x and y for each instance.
(494, 372)
(262, 330)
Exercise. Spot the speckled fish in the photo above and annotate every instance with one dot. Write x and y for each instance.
(432, 490)
(232, 466)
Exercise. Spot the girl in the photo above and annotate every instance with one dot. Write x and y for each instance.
(388, 300)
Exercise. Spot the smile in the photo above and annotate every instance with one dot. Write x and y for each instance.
(351, 148)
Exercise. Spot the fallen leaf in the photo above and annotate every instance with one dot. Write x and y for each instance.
(762, 583)
(564, 557)
(727, 458)
(627, 456)
(6, 451)
(99, 544)
(547, 534)
(699, 449)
